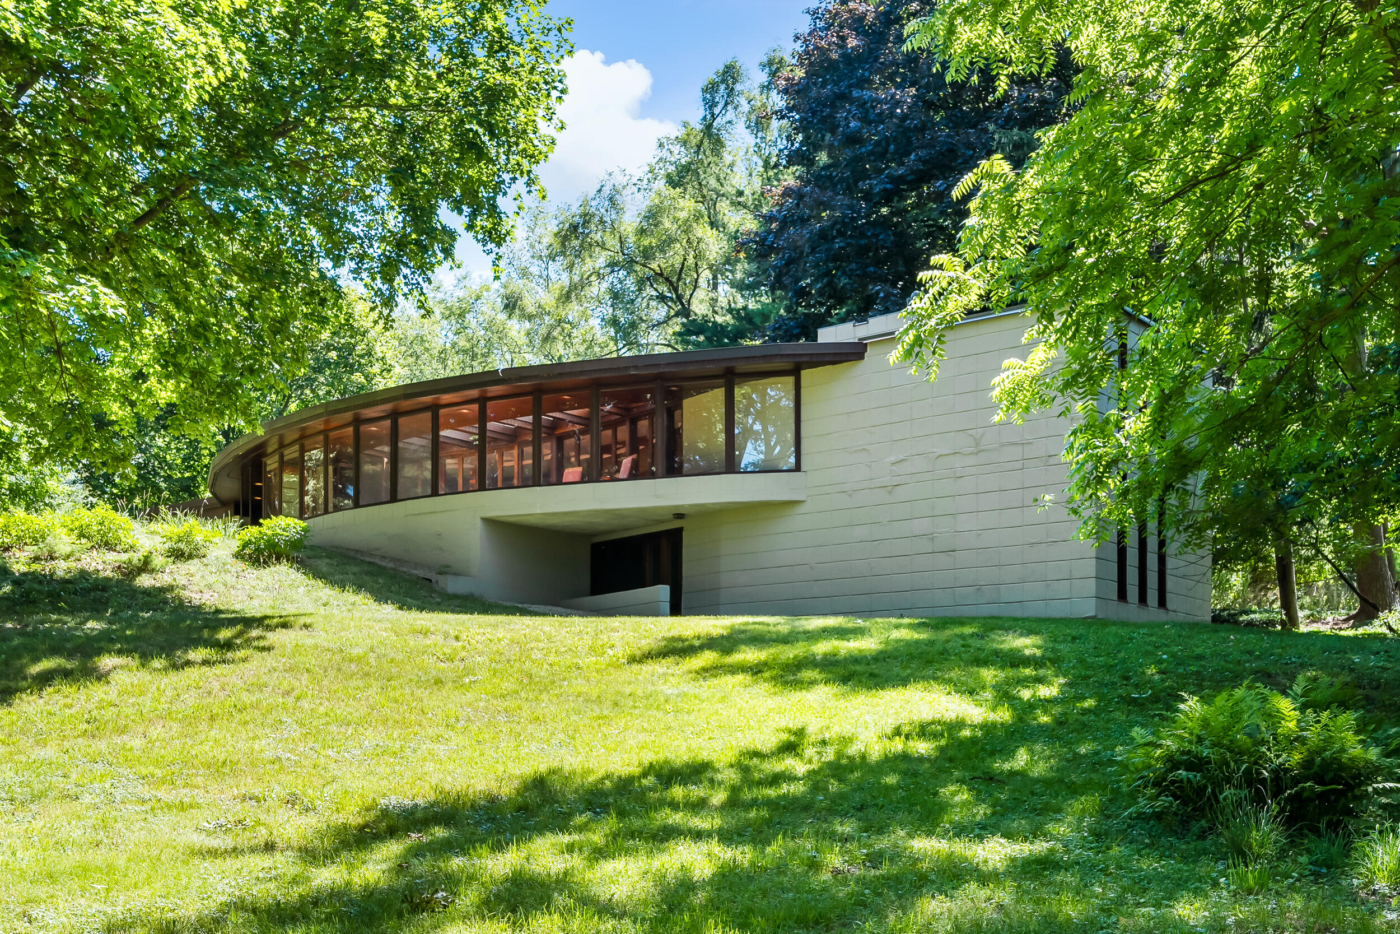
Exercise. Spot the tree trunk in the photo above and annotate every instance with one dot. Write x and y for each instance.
(1373, 578)
(1287, 582)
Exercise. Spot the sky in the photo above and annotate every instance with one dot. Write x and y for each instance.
(635, 75)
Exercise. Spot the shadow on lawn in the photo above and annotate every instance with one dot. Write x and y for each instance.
(999, 815)
(397, 589)
(808, 833)
(62, 627)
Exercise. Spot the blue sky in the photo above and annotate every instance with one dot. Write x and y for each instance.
(636, 74)
(681, 42)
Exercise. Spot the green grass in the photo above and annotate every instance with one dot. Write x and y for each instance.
(334, 747)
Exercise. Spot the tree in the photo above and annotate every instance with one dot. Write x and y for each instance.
(657, 253)
(1228, 176)
(186, 189)
(876, 138)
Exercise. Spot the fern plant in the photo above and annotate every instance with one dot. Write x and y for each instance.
(1255, 744)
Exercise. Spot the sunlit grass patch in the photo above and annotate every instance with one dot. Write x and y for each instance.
(329, 746)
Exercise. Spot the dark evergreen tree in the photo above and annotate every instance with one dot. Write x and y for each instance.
(877, 140)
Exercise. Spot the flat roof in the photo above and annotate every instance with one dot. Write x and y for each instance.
(510, 381)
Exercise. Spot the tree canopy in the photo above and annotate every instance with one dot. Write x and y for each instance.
(874, 139)
(1229, 176)
(186, 190)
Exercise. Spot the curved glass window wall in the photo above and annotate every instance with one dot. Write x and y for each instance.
(734, 424)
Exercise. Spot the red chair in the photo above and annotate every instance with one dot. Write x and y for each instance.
(573, 474)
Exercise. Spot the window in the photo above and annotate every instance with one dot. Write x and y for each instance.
(627, 427)
(314, 488)
(374, 462)
(415, 455)
(566, 441)
(510, 442)
(291, 482)
(765, 423)
(696, 416)
(342, 469)
(457, 449)
(272, 500)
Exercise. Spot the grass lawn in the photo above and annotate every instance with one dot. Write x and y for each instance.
(335, 747)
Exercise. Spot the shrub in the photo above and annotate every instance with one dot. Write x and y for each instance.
(100, 527)
(188, 540)
(24, 530)
(1376, 859)
(1254, 743)
(276, 539)
(145, 562)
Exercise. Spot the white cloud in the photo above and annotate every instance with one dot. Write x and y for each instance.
(603, 129)
(603, 132)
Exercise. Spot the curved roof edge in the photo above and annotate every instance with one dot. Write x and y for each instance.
(512, 380)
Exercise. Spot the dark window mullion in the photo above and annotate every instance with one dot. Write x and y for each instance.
(729, 427)
(797, 419)
(1161, 556)
(1122, 566)
(481, 443)
(660, 453)
(1142, 563)
(394, 459)
(433, 470)
(537, 442)
(595, 431)
(355, 467)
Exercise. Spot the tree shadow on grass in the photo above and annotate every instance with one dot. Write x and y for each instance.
(807, 834)
(977, 818)
(66, 626)
(998, 812)
(397, 589)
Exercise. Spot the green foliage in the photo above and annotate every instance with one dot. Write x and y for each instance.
(1253, 747)
(188, 540)
(279, 538)
(1376, 858)
(1253, 832)
(145, 561)
(1249, 878)
(24, 530)
(1314, 690)
(876, 139)
(1228, 173)
(1330, 849)
(99, 527)
(188, 187)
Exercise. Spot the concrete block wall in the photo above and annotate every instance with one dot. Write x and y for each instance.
(919, 503)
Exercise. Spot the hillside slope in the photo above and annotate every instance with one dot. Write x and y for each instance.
(335, 747)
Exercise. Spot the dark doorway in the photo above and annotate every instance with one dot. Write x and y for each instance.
(638, 561)
(250, 502)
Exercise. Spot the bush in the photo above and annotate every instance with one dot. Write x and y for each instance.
(100, 527)
(1376, 859)
(24, 530)
(145, 562)
(1257, 746)
(188, 540)
(277, 539)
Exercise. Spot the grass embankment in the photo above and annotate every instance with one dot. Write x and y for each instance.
(333, 747)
